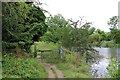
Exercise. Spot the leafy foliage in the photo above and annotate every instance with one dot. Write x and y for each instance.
(22, 68)
(60, 31)
(109, 44)
(113, 22)
(116, 35)
(91, 30)
(69, 36)
(113, 69)
(56, 24)
(115, 32)
(22, 24)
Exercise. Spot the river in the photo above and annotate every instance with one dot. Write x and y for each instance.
(99, 70)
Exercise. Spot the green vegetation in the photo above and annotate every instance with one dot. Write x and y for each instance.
(107, 39)
(22, 68)
(49, 57)
(25, 25)
(46, 45)
(72, 65)
(110, 44)
(22, 25)
(71, 71)
(114, 69)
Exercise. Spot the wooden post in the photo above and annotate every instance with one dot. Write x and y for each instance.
(35, 52)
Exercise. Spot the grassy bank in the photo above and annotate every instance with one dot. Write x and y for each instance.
(71, 71)
(22, 68)
(72, 65)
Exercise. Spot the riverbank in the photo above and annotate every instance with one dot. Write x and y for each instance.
(72, 71)
(72, 65)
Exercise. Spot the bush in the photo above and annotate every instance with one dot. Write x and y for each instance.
(22, 68)
(113, 69)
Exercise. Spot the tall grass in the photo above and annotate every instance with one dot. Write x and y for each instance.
(74, 66)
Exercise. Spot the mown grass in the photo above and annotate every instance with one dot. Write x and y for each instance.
(22, 68)
(44, 46)
(72, 65)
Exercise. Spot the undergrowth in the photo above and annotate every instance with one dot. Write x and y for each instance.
(22, 68)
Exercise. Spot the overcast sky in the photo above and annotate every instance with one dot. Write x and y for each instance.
(96, 11)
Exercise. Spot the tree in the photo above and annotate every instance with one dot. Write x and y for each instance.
(108, 36)
(80, 37)
(22, 25)
(116, 36)
(115, 32)
(91, 30)
(69, 35)
(113, 22)
(56, 24)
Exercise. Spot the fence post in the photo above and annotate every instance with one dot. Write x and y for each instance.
(35, 52)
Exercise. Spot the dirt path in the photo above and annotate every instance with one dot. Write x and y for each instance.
(49, 68)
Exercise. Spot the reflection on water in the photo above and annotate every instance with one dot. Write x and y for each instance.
(99, 69)
(118, 55)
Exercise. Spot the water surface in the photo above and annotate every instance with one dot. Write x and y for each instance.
(99, 69)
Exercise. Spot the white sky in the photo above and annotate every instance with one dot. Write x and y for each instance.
(96, 11)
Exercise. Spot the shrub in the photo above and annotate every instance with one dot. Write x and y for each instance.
(113, 69)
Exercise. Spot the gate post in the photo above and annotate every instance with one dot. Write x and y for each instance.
(35, 52)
